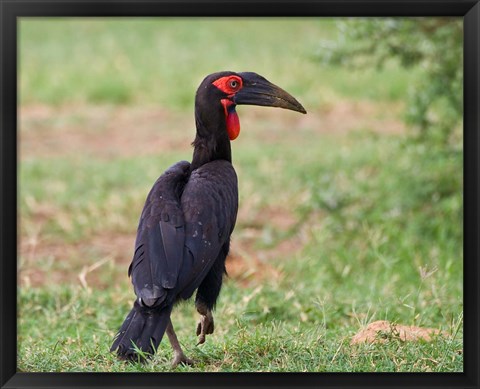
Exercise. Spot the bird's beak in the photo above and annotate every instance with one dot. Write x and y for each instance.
(257, 90)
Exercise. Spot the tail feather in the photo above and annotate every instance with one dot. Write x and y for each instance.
(145, 328)
(148, 336)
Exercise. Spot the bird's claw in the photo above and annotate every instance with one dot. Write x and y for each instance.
(204, 327)
(181, 359)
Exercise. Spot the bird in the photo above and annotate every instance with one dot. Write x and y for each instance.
(183, 236)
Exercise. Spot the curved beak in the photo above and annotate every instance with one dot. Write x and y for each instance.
(257, 90)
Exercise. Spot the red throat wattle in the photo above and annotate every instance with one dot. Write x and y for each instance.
(232, 120)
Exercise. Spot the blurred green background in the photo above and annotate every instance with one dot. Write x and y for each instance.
(348, 215)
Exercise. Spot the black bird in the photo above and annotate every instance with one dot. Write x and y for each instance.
(183, 236)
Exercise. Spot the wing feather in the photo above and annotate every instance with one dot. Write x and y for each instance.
(160, 239)
(186, 221)
(210, 204)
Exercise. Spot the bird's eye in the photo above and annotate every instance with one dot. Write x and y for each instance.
(234, 84)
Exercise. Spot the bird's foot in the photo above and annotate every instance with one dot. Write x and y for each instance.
(180, 358)
(204, 327)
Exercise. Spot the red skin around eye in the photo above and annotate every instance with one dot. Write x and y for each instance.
(224, 84)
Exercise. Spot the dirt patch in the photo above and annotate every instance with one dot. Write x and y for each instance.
(251, 262)
(381, 331)
(102, 259)
(109, 131)
(339, 118)
(103, 132)
(347, 116)
(249, 270)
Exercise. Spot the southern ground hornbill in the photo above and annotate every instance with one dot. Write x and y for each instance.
(183, 236)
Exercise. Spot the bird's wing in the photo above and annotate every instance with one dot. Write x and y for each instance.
(159, 246)
(209, 203)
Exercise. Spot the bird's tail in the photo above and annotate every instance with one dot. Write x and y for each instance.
(143, 327)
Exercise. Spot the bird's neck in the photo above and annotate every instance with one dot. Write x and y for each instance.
(211, 143)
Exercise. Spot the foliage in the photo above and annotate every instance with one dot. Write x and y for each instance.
(435, 45)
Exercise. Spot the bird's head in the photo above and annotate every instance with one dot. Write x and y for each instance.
(219, 94)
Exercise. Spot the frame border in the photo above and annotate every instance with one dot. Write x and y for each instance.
(10, 10)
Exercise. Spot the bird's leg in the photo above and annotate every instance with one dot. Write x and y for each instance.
(178, 355)
(208, 292)
(205, 325)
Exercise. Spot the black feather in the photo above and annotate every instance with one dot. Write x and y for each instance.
(143, 327)
(209, 203)
(173, 238)
(160, 236)
(183, 230)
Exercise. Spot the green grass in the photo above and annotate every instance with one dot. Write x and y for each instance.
(80, 334)
(382, 244)
(161, 61)
(377, 218)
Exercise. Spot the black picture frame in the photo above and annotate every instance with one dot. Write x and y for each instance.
(11, 10)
